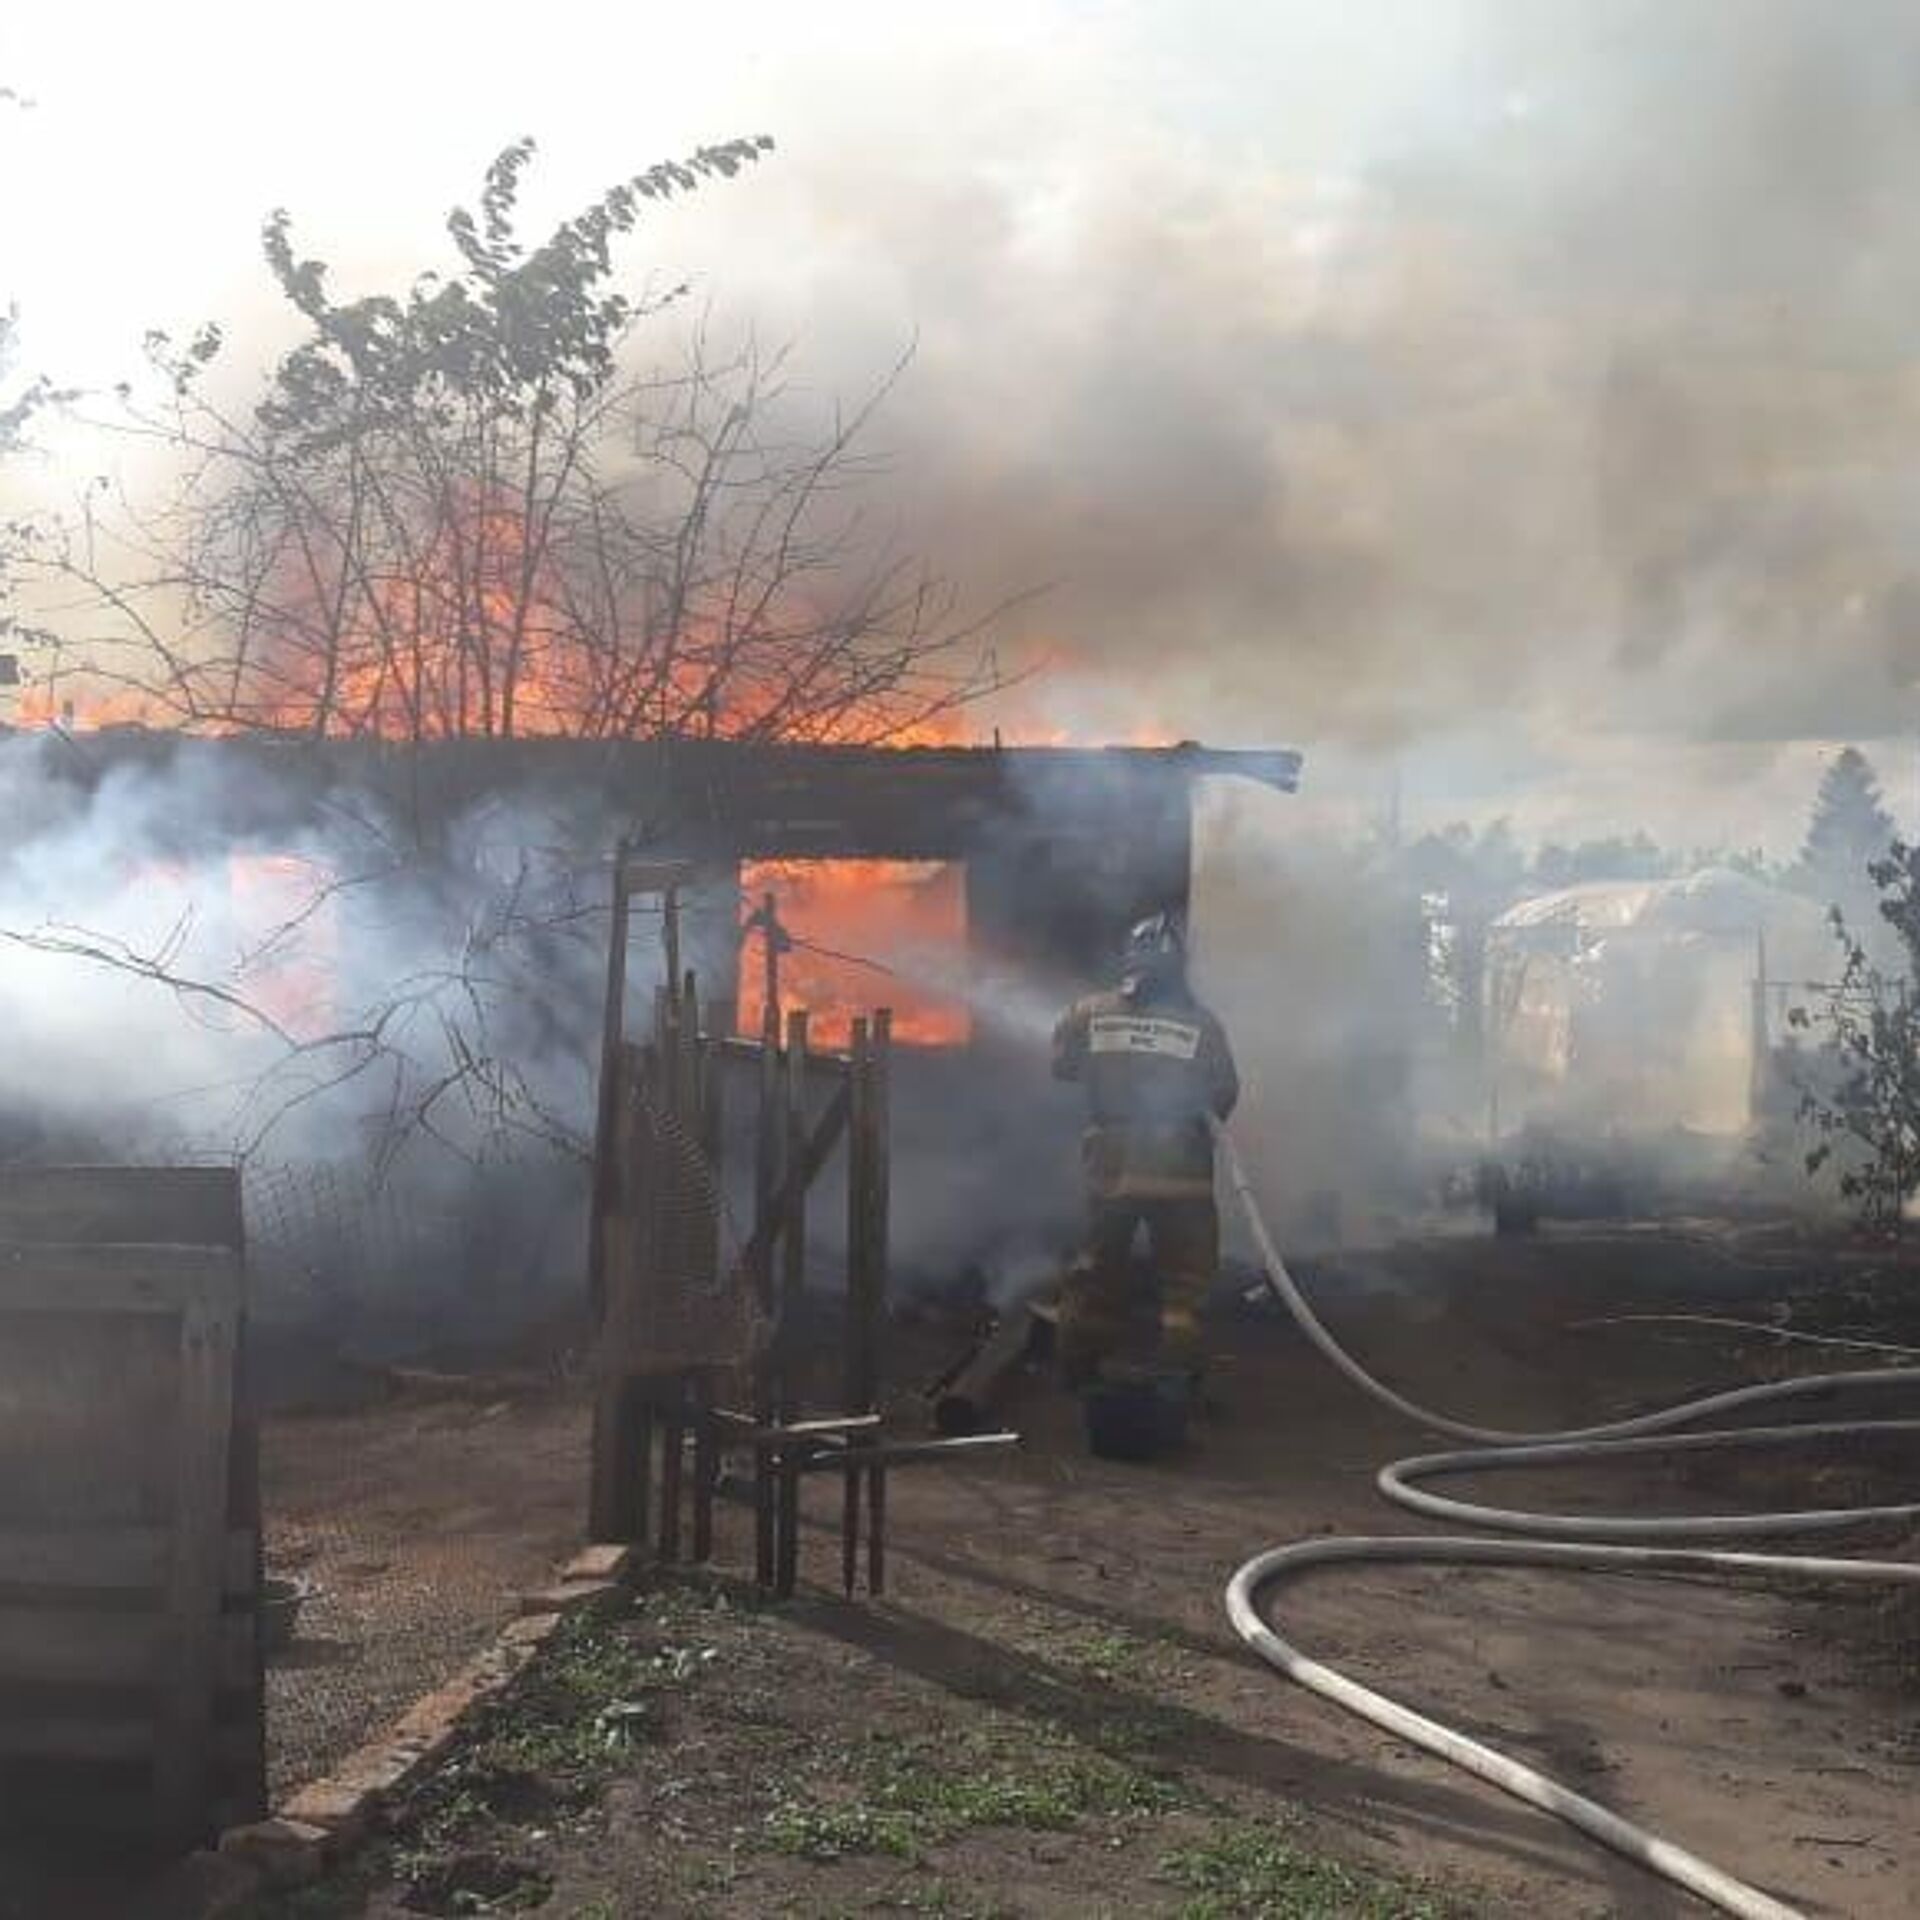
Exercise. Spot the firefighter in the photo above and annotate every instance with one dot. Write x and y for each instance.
(1155, 1065)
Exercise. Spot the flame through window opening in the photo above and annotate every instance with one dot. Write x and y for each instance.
(864, 934)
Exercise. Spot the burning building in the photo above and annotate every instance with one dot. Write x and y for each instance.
(973, 890)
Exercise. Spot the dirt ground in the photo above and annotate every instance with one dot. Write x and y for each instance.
(416, 1519)
(1048, 1714)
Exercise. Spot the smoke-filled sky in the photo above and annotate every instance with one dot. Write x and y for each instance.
(1517, 398)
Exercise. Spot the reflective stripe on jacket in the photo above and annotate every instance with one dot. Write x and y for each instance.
(1153, 1071)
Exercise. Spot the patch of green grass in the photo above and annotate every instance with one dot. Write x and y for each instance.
(1105, 1654)
(933, 1896)
(942, 1899)
(1117, 1658)
(910, 1794)
(832, 1833)
(1252, 1872)
(547, 1746)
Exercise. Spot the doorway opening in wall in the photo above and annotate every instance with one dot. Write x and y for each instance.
(860, 934)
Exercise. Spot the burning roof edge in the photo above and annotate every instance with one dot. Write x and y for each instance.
(759, 799)
(1277, 767)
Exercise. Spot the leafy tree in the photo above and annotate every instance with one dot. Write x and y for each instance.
(1860, 1092)
(1751, 861)
(1619, 857)
(457, 512)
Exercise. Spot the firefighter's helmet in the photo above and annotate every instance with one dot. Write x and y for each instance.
(1156, 951)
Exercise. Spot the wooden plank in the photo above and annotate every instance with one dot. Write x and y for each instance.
(242, 1786)
(706, 1466)
(612, 1031)
(670, 933)
(857, 1357)
(182, 1767)
(879, 1196)
(75, 1803)
(74, 1279)
(51, 1646)
(793, 1275)
(758, 1261)
(654, 876)
(616, 1507)
(727, 1046)
(743, 1426)
(826, 1136)
(906, 1453)
(859, 1267)
(879, 1200)
(83, 1206)
(793, 1223)
(672, 1415)
(58, 1734)
(118, 1559)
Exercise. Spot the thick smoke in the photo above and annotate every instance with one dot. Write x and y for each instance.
(1314, 965)
(1567, 376)
(1346, 373)
(392, 1036)
(1535, 374)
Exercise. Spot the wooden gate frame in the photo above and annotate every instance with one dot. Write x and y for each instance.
(682, 1070)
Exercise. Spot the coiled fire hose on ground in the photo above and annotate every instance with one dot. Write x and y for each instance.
(1568, 1542)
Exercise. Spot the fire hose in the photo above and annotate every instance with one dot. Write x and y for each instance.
(1569, 1542)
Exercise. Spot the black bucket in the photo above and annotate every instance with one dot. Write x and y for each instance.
(1137, 1418)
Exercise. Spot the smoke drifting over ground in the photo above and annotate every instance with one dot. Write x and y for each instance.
(392, 1037)
(1316, 970)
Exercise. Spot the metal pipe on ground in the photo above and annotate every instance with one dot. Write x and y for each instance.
(965, 1403)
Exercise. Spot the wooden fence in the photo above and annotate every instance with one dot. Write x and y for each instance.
(678, 1325)
(131, 1699)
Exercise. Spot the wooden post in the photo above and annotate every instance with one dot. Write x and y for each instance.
(617, 1498)
(793, 1268)
(877, 1529)
(770, 960)
(880, 1194)
(706, 1465)
(880, 1176)
(182, 1766)
(612, 1028)
(766, 1386)
(671, 1411)
(859, 1380)
(617, 1505)
(670, 932)
(638, 1464)
(793, 1272)
(858, 1387)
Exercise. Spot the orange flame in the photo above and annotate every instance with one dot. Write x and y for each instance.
(857, 928)
(78, 704)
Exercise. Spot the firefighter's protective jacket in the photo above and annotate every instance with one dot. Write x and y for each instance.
(1154, 1068)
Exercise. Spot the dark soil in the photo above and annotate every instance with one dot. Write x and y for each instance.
(1049, 1715)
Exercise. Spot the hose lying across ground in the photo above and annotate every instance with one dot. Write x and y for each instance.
(1566, 1541)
